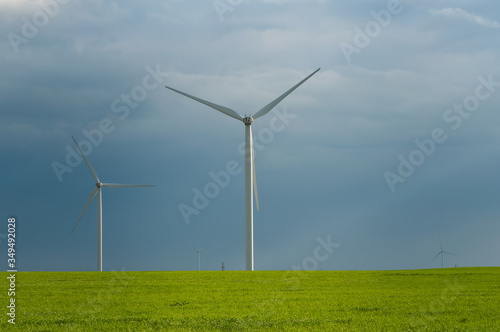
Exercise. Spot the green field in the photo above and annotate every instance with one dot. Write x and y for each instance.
(458, 299)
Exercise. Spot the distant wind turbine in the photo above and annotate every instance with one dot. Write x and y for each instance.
(97, 191)
(249, 160)
(442, 253)
(198, 251)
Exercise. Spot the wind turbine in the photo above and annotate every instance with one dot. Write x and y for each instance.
(198, 251)
(442, 252)
(249, 160)
(97, 191)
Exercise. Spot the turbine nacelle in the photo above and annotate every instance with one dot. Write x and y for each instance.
(248, 120)
(98, 184)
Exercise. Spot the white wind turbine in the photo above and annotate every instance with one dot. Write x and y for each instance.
(249, 160)
(198, 251)
(442, 252)
(97, 191)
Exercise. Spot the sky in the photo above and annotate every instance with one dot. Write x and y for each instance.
(391, 147)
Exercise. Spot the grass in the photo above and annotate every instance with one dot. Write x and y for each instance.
(458, 299)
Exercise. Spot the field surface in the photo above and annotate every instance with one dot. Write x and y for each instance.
(458, 299)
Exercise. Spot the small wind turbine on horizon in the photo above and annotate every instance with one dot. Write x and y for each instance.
(97, 191)
(442, 253)
(198, 251)
(250, 181)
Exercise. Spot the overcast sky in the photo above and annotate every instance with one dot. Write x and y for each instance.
(393, 143)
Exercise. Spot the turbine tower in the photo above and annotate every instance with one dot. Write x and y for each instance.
(249, 160)
(198, 251)
(442, 252)
(97, 191)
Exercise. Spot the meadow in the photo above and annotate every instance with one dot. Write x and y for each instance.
(456, 299)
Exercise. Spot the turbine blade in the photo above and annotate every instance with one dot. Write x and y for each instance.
(219, 108)
(117, 185)
(206, 247)
(85, 208)
(191, 246)
(440, 243)
(275, 102)
(449, 253)
(94, 174)
(253, 170)
(439, 253)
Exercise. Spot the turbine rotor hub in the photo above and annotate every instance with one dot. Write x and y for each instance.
(247, 120)
(98, 184)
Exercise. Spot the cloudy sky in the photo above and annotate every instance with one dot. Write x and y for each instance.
(393, 143)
